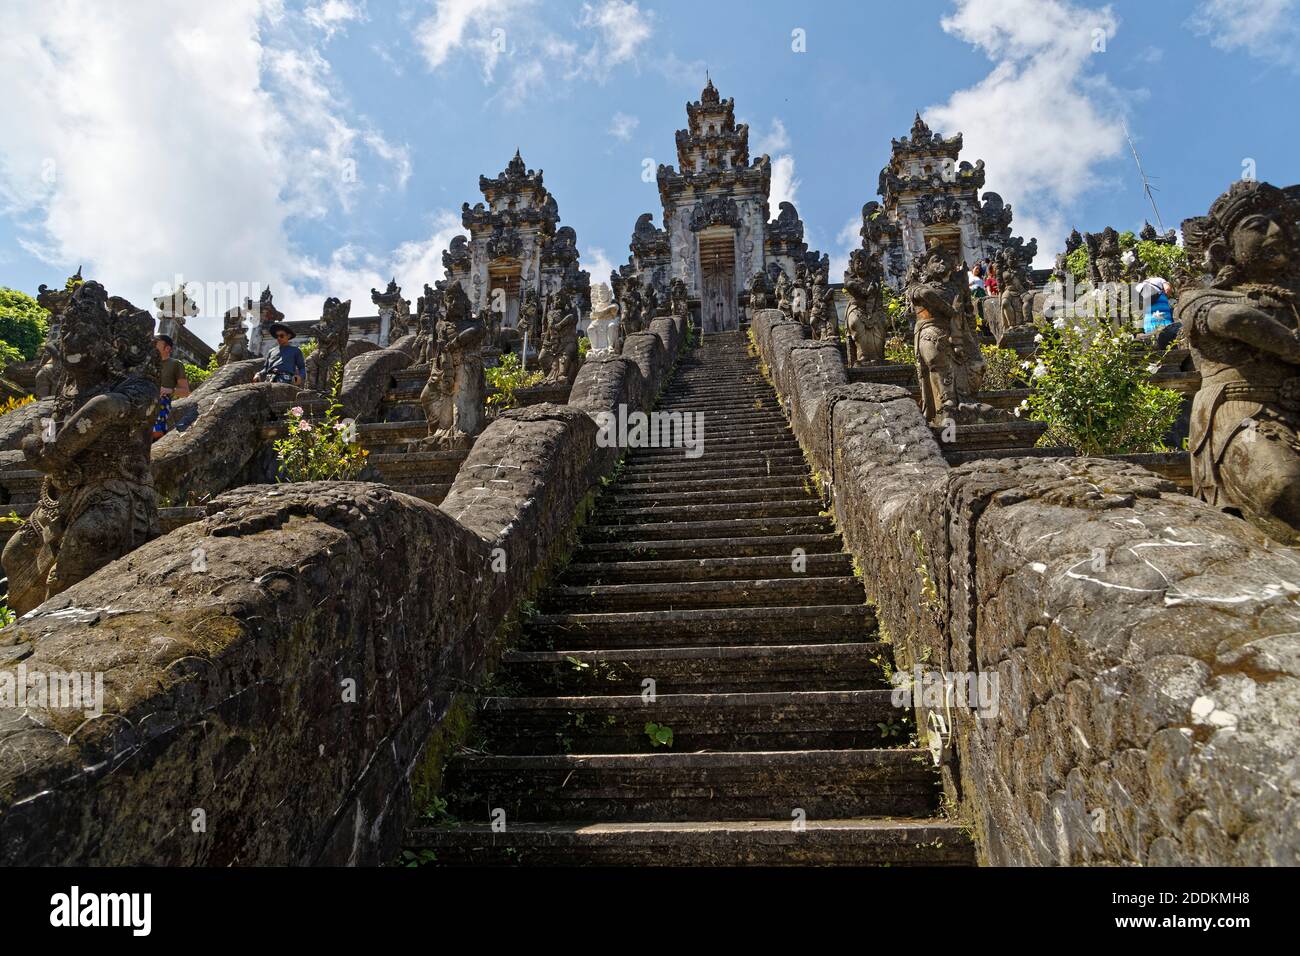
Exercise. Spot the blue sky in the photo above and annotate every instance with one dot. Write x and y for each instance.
(322, 145)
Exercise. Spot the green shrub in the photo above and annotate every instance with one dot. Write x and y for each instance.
(197, 375)
(900, 351)
(507, 377)
(1090, 385)
(325, 450)
(1002, 369)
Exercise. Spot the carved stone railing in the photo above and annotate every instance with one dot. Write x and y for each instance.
(1142, 644)
(273, 673)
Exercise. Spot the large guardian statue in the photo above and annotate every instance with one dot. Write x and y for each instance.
(1242, 331)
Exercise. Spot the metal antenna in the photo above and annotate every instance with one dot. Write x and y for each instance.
(1146, 183)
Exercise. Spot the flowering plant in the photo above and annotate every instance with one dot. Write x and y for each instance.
(324, 450)
(1090, 383)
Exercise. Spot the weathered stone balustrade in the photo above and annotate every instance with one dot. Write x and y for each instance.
(1145, 645)
(273, 673)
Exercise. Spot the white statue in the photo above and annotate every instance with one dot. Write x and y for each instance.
(603, 328)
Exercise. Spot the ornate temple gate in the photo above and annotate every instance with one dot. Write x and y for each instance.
(718, 280)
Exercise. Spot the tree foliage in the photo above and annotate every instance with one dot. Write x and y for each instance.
(23, 323)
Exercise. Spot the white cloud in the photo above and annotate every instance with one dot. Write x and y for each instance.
(621, 28)
(331, 16)
(1266, 29)
(785, 184)
(197, 165)
(488, 28)
(622, 126)
(611, 33)
(1042, 120)
(595, 261)
(352, 272)
(774, 140)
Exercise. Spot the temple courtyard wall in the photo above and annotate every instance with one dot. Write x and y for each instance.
(1144, 645)
(282, 678)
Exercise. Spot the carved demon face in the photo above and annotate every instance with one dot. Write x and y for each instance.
(86, 348)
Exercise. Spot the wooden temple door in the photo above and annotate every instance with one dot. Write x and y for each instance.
(718, 282)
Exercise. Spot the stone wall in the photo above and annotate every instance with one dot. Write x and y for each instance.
(274, 673)
(1145, 645)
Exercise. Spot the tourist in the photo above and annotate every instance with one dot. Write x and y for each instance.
(991, 282)
(976, 280)
(172, 381)
(284, 362)
(1154, 294)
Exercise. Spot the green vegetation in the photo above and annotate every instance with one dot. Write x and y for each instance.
(660, 736)
(900, 351)
(197, 375)
(23, 326)
(1002, 369)
(324, 451)
(507, 377)
(1090, 384)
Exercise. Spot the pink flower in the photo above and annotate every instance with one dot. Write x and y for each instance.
(304, 426)
(296, 411)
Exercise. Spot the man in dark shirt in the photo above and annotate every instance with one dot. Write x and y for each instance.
(284, 362)
(172, 381)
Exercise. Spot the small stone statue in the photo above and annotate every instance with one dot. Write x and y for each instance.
(427, 313)
(530, 321)
(678, 297)
(174, 310)
(949, 365)
(1242, 331)
(456, 393)
(866, 317)
(650, 305)
(602, 330)
(331, 334)
(559, 355)
(49, 377)
(785, 294)
(1105, 259)
(266, 312)
(234, 338)
(760, 293)
(799, 293)
(1014, 292)
(398, 310)
(97, 498)
(821, 310)
(630, 307)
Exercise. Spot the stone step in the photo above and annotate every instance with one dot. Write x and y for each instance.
(665, 475)
(639, 499)
(780, 720)
(716, 446)
(1017, 433)
(708, 569)
(628, 489)
(784, 545)
(677, 670)
(773, 592)
(717, 430)
(866, 841)
(694, 786)
(370, 434)
(398, 465)
(702, 627)
(726, 528)
(672, 511)
(432, 492)
(720, 462)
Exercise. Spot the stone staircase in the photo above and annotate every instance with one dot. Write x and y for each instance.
(785, 746)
